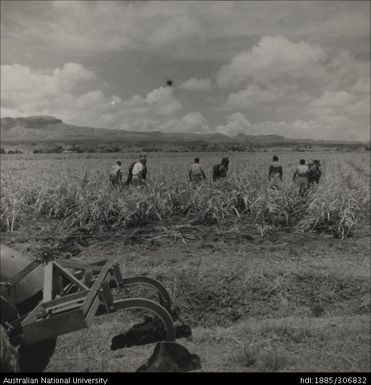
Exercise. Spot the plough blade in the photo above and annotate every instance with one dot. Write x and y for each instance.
(170, 356)
(147, 332)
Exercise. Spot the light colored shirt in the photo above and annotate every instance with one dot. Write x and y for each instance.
(275, 168)
(195, 169)
(138, 168)
(115, 170)
(302, 170)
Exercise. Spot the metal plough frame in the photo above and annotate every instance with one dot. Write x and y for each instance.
(61, 312)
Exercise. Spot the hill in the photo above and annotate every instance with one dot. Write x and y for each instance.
(48, 129)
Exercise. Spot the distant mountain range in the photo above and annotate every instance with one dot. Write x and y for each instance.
(48, 129)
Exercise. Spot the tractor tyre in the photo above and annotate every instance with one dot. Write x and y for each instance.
(25, 358)
(35, 357)
(9, 357)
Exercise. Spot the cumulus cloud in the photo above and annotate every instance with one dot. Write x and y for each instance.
(331, 99)
(359, 109)
(299, 84)
(354, 103)
(195, 84)
(254, 95)
(271, 58)
(302, 67)
(163, 100)
(337, 127)
(20, 85)
(159, 101)
(66, 93)
(236, 124)
(362, 86)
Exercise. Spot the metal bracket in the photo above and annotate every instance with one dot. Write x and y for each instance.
(105, 295)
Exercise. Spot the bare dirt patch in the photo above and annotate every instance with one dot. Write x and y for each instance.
(286, 302)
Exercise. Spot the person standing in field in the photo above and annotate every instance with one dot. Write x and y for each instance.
(301, 175)
(196, 172)
(143, 160)
(139, 172)
(275, 173)
(115, 175)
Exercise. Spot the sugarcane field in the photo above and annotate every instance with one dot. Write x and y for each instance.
(185, 187)
(258, 272)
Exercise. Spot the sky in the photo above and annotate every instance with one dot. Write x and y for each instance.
(295, 68)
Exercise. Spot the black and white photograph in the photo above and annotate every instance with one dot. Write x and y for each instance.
(185, 188)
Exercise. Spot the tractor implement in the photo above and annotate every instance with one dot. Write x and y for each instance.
(64, 296)
(149, 331)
